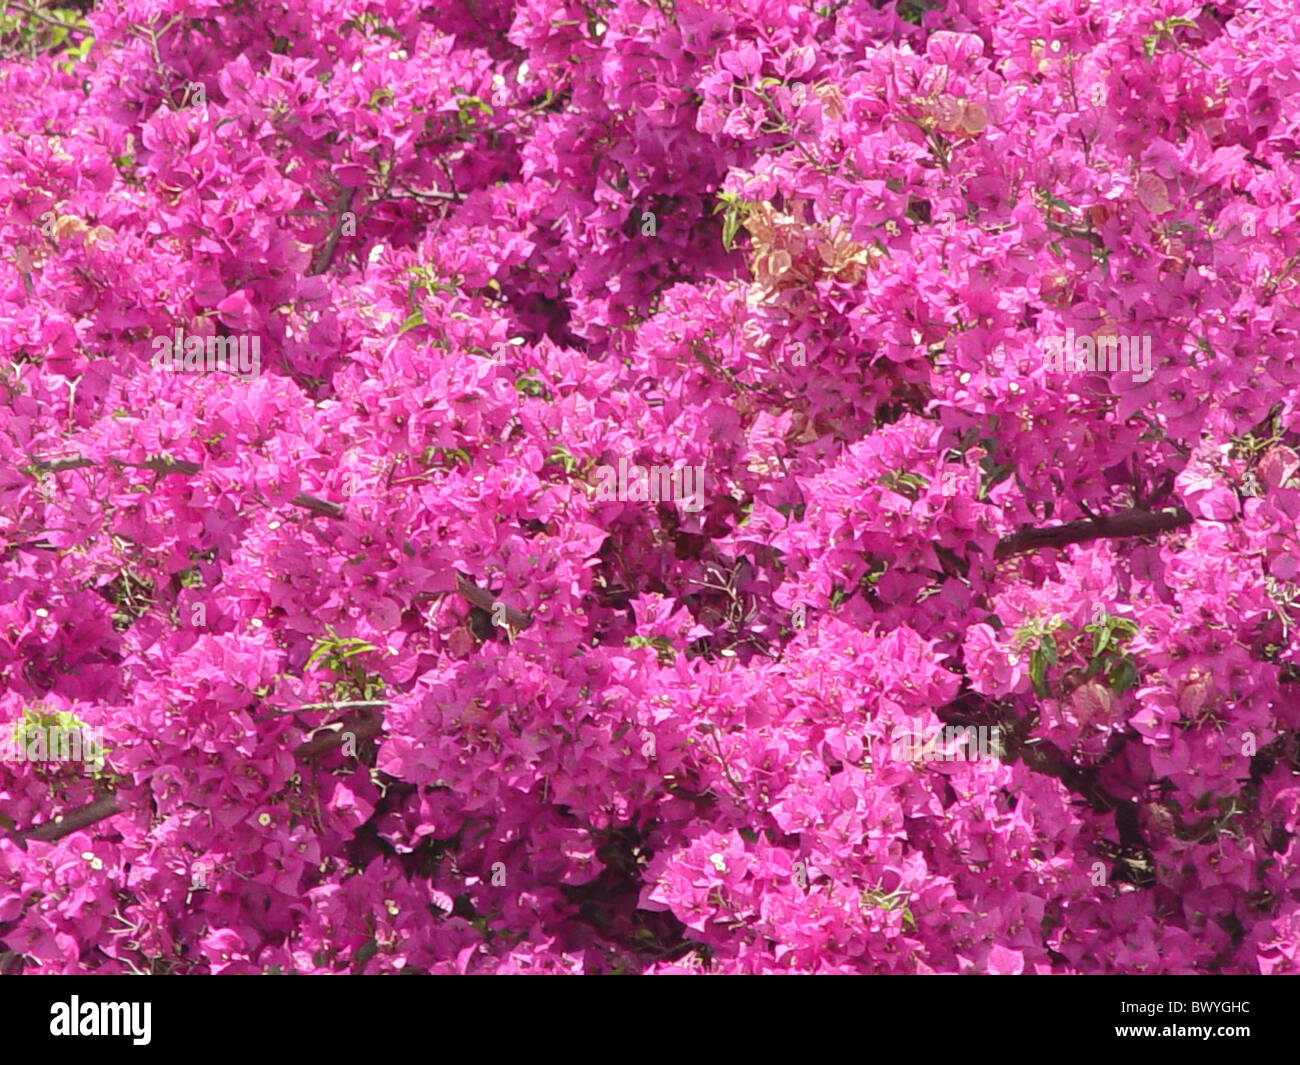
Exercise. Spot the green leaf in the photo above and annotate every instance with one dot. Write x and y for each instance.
(1048, 646)
(468, 103)
(904, 483)
(415, 320)
(730, 225)
(1123, 677)
(994, 475)
(1038, 663)
(442, 454)
(324, 647)
(1101, 638)
(526, 385)
(321, 650)
(1149, 45)
(560, 456)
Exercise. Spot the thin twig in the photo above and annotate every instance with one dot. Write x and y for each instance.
(41, 16)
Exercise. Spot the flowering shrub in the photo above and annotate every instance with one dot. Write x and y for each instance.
(385, 683)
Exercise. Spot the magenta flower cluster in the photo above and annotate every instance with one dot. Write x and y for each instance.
(386, 685)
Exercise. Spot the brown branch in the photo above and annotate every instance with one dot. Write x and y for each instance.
(316, 505)
(71, 462)
(431, 194)
(1110, 526)
(326, 254)
(351, 704)
(161, 465)
(78, 462)
(66, 824)
(485, 600)
(333, 736)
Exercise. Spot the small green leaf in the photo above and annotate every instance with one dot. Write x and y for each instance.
(415, 320)
(468, 103)
(1048, 646)
(730, 226)
(1123, 677)
(526, 385)
(560, 456)
(1038, 669)
(1100, 639)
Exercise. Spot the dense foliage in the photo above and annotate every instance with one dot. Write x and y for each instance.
(813, 248)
